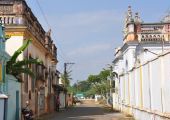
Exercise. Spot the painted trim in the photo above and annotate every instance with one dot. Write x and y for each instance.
(15, 33)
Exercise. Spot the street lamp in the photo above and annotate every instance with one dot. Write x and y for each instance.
(146, 50)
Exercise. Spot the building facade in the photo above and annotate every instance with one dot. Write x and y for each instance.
(21, 24)
(4, 57)
(142, 65)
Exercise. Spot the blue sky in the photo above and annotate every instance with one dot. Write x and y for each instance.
(86, 32)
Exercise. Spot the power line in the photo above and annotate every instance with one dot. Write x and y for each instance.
(62, 55)
(45, 18)
(49, 26)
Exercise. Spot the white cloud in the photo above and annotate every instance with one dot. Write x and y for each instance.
(88, 18)
(86, 39)
(76, 27)
(90, 50)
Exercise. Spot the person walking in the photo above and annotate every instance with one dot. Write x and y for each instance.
(57, 103)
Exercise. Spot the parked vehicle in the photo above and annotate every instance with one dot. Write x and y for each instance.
(27, 113)
(76, 100)
(80, 95)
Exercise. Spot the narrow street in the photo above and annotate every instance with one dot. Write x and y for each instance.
(85, 112)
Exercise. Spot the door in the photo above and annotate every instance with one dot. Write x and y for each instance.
(17, 105)
(42, 100)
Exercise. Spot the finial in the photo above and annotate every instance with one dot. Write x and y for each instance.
(49, 32)
(129, 7)
(137, 18)
(129, 12)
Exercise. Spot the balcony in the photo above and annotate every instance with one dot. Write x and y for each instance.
(11, 20)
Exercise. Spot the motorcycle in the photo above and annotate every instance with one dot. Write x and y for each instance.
(27, 113)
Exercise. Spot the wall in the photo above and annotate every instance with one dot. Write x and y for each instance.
(13, 87)
(62, 99)
(13, 44)
(144, 90)
(129, 59)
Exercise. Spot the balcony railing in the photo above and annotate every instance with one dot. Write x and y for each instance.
(11, 20)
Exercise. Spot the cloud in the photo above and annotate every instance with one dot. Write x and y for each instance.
(73, 27)
(88, 18)
(87, 38)
(90, 50)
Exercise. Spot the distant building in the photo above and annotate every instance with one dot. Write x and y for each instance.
(21, 24)
(141, 88)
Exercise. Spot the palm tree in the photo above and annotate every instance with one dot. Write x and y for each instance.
(16, 67)
(66, 77)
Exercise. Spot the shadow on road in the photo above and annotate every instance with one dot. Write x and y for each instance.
(81, 112)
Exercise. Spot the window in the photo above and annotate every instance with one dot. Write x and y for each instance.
(49, 81)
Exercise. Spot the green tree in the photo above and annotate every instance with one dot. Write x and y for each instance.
(104, 74)
(94, 79)
(100, 82)
(84, 86)
(71, 89)
(96, 84)
(90, 92)
(16, 67)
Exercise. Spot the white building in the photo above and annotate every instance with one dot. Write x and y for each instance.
(142, 64)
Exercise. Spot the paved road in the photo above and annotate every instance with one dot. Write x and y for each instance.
(85, 112)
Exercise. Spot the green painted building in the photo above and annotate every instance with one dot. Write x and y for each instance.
(3, 59)
(3, 83)
(9, 86)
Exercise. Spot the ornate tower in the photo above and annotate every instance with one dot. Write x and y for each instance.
(129, 27)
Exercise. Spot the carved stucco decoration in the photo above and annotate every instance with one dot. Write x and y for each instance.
(18, 8)
(6, 9)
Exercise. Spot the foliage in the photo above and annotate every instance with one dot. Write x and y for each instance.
(66, 77)
(99, 82)
(104, 74)
(94, 79)
(16, 67)
(7, 37)
(90, 92)
(83, 86)
(95, 84)
(71, 89)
